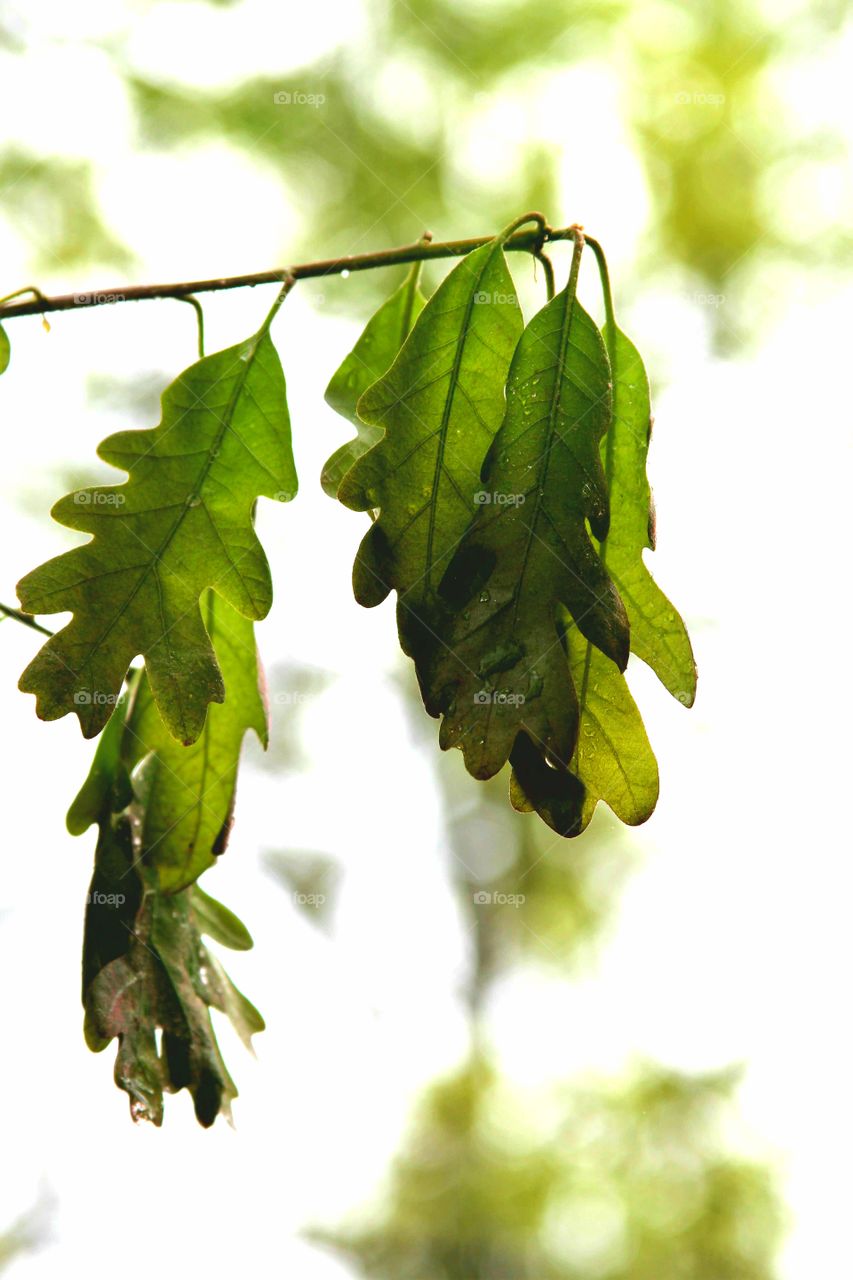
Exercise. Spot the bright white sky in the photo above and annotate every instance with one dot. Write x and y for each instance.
(732, 941)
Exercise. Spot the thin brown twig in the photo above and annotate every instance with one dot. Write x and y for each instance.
(422, 250)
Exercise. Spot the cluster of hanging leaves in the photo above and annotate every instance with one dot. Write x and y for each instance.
(173, 572)
(504, 470)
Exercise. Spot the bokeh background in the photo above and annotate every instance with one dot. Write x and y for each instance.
(642, 1070)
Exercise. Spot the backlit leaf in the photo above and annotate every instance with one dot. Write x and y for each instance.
(439, 406)
(181, 523)
(501, 669)
(5, 350)
(186, 794)
(372, 355)
(182, 798)
(658, 635)
(612, 761)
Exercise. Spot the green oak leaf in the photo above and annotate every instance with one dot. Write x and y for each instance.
(182, 798)
(145, 967)
(5, 350)
(186, 794)
(613, 760)
(181, 523)
(501, 668)
(439, 406)
(658, 635)
(613, 757)
(552, 791)
(371, 357)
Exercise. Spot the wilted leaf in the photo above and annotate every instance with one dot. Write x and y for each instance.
(372, 355)
(147, 971)
(439, 406)
(145, 967)
(501, 668)
(181, 523)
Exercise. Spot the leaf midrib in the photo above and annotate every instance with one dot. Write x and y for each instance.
(607, 468)
(545, 462)
(448, 409)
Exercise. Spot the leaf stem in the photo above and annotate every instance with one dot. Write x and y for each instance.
(196, 305)
(29, 288)
(574, 271)
(605, 281)
(288, 281)
(529, 241)
(548, 268)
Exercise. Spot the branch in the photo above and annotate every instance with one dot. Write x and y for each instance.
(530, 241)
(28, 620)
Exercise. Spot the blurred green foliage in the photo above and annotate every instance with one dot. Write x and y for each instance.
(611, 1181)
(378, 159)
(52, 202)
(27, 1233)
(527, 893)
